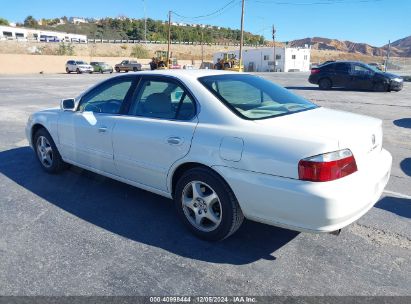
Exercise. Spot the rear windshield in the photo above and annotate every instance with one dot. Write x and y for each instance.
(252, 97)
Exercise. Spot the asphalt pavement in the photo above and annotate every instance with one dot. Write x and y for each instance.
(78, 233)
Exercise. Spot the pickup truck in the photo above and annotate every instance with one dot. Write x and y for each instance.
(127, 65)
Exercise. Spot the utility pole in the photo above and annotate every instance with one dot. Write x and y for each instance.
(274, 47)
(388, 56)
(169, 37)
(240, 57)
(145, 22)
(202, 46)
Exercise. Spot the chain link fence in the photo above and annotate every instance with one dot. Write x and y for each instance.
(399, 65)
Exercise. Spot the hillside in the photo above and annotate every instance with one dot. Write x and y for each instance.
(133, 29)
(399, 48)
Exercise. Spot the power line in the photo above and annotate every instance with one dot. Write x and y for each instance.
(324, 2)
(219, 11)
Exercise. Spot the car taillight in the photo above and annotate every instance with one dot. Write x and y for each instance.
(327, 167)
(315, 71)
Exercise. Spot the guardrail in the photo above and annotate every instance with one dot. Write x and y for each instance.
(128, 41)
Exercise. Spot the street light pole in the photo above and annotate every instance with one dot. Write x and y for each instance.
(240, 57)
(274, 47)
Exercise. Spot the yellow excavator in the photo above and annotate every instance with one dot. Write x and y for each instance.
(229, 62)
(159, 61)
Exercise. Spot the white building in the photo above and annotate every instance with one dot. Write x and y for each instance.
(77, 20)
(261, 59)
(24, 34)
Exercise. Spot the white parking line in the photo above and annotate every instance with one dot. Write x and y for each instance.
(400, 195)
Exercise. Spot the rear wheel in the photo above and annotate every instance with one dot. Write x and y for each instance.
(207, 205)
(78, 71)
(135, 69)
(325, 84)
(67, 71)
(117, 70)
(47, 153)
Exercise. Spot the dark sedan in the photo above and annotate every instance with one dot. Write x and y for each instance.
(354, 75)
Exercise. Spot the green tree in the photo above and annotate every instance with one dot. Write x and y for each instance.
(3, 21)
(30, 22)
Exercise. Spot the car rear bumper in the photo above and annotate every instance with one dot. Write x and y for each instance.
(309, 206)
(313, 79)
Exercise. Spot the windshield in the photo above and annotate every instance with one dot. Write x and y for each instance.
(373, 67)
(253, 97)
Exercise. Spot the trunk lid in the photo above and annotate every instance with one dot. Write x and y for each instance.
(361, 134)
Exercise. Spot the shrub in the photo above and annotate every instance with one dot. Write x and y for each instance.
(65, 49)
(140, 51)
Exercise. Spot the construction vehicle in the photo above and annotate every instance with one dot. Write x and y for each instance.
(159, 61)
(229, 62)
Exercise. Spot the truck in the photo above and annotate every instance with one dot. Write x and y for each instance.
(127, 65)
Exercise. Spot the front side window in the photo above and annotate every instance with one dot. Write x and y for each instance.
(361, 70)
(164, 99)
(252, 97)
(106, 98)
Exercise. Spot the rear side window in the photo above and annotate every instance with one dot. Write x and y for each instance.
(342, 67)
(253, 97)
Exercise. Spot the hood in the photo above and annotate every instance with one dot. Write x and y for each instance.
(388, 75)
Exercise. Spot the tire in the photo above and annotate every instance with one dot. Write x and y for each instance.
(325, 84)
(78, 71)
(68, 71)
(111, 72)
(135, 69)
(117, 70)
(47, 153)
(101, 71)
(214, 214)
(380, 87)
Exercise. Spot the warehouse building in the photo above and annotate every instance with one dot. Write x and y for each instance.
(261, 59)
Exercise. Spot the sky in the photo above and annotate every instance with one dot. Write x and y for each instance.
(370, 21)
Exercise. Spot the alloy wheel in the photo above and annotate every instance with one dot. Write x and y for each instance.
(201, 206)
(44, 151)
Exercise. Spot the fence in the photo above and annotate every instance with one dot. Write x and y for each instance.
(137, 41)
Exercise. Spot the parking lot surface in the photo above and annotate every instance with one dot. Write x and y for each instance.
(78, 233)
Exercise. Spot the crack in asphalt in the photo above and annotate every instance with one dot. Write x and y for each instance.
(380, 237)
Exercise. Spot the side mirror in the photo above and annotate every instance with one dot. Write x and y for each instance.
(68, 104)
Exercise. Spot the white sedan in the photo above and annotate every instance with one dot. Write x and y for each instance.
(224, 146)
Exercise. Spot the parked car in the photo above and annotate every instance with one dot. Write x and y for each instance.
(101, 67)
(224, 146)
(354, 75)
(78, 66)
(127, 65)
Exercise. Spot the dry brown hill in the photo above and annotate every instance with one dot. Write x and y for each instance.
(399, 48)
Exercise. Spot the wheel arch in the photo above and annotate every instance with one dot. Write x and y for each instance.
(184, 167)
(37, 126)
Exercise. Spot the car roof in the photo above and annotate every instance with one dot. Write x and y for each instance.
(181, 73)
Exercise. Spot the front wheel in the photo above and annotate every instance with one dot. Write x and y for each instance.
(47, 153)
(207, 205)
(380, 87)
(78, 71)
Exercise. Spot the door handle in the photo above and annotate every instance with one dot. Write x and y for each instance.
(102, 129)
(175, 140)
